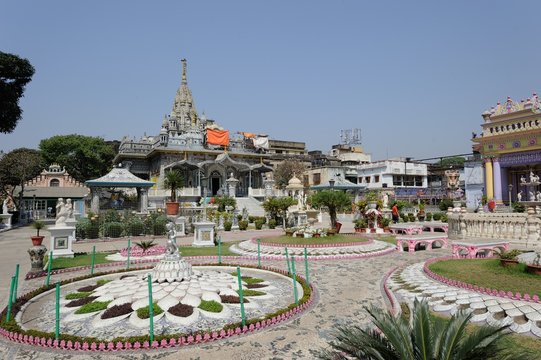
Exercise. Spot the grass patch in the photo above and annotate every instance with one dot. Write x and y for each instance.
(78, 295)
(208, 251)
(335, 239)
(249, 292)
(144, 313)
(80, 259)
(391, 239)
(92, 307)
(489, 273)
(211, 306)
(102, 282)
(251, 280)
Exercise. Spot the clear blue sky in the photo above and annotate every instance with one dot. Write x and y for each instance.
(413, 75)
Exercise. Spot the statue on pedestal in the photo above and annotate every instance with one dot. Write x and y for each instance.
(522, 180)
(385, 201)
(533, 178)
(519, 196)
(172, 248)
(61, 213)
(5, 206)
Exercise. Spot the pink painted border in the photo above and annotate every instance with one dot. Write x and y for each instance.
(172, 342)
(475, 288)
(389, 293)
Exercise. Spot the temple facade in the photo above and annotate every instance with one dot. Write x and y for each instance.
(206, 154)
(510, 144)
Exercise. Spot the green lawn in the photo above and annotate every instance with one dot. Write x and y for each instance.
(84, 259)
(291, 240)
(391, 239)
(489, 274)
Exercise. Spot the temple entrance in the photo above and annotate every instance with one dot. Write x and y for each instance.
(215, 182)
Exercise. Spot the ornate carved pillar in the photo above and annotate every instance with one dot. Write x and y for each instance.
(143, 205)
(95, 202)
(489, 187)
(497, 181)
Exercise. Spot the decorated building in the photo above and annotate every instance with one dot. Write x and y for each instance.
(206, 154)
(510, 144)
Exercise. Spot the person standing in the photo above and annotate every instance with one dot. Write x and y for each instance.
(394, 212)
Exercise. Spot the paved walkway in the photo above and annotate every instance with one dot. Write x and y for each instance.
(344, 287)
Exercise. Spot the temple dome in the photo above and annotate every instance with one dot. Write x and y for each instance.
(294, 184)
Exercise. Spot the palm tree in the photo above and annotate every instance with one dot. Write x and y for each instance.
(173, 181)
(425, 337)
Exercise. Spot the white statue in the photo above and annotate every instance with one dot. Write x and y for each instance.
(172, 248)
(533, 178)
(385, 201)
(538, 196)
(531, 196)
(69, 207)
(5, 206)
(522, 180)
(519, 196)
(61, 213)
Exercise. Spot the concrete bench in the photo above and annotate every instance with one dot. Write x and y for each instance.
(406, 228)
(469, 250)
(427, 240)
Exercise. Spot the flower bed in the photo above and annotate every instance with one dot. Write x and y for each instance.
(137, 252)
(13, 332)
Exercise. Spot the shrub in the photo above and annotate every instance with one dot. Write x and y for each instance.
(111, 216)
(117, 310)
(211, 306)
(361, 224)
(158, 228)
(78, 295)
(144, 313)
(518, 207)
(223, 201)
(145, 245)
(428, 216)
(181, 310)
(87, 229)
(113, 229)
(92, 307)
(411, 217)
(510, 255)
(227, 225)
(135, 226)
(437, 217)
(385, 222)
(81, 301)
(249, 292)
(259, 224)
(443, 217)
(243, 225)
(251, 219)
(445, 204)
(272, 224)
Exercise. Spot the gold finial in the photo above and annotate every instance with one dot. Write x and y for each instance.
(184, 81)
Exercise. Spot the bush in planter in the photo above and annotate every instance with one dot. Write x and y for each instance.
(113, 229)
(443, 218)
(411, 217)
(428, 216)
(259, 224)
(445, 204)
(243, 225)
(361, 224)
(227, 225)
(272, 224)
(385, 222)
(251, 219)
(509, 255)
(518, 207)
(437, 217)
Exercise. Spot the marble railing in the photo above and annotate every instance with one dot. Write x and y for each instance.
(516, 227)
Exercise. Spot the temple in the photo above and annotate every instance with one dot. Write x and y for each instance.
(510, 143)
(206, 154)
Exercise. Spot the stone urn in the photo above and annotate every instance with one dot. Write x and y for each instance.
(36, 257)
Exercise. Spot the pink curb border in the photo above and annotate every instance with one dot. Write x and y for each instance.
(475, 288)
(395, 307)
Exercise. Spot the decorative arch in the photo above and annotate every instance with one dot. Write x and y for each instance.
(54, 182)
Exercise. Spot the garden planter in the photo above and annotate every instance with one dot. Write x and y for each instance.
(533, 269)
(171, 208)
(317, 235)
(289, 233)
(300, 235)
(386, 229)
(360, 230)
(508, 262)
(373, 230)
(37, 240)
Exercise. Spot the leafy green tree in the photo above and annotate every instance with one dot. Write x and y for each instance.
(15, 73)
(454, 161)
(285, 171)
(425, 337)
(278, 206)
(17, 167)
(84, 157)
(333, 200)
(173, 181)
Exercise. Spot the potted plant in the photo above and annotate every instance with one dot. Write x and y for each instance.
(509, 258)
(534, 267)
(289, 231)
(317, 233)
(421, 213)
(361, 225)
(38, 225)
(385, 224)
(173, 181)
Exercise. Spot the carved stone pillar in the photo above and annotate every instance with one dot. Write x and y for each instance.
(36, 257)
(143, 205)
(95, 203)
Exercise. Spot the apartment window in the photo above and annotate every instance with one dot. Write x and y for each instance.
(367, 179)
(376, 178)
(316, 179)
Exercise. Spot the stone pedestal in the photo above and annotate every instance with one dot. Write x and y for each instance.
(171, 270)
(5, 221)
(203, 233)
(300, 218)
(61, 241)
(180, 226)
(232, 186)
(71, 222)
(36, 257)
(235, 222)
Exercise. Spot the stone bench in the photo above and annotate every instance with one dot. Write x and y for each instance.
(406, 228)
(469, 250)
(413, 240)
(435, 225)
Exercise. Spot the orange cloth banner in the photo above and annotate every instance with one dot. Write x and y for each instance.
(218, 137)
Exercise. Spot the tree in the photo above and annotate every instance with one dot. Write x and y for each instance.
(173, 181)
(223, 201)
(278, 206)
(15, 73)
(84, 157)
(17, 167)
(333, 200)
(424, 337)
(454, 161)
(285, 171)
